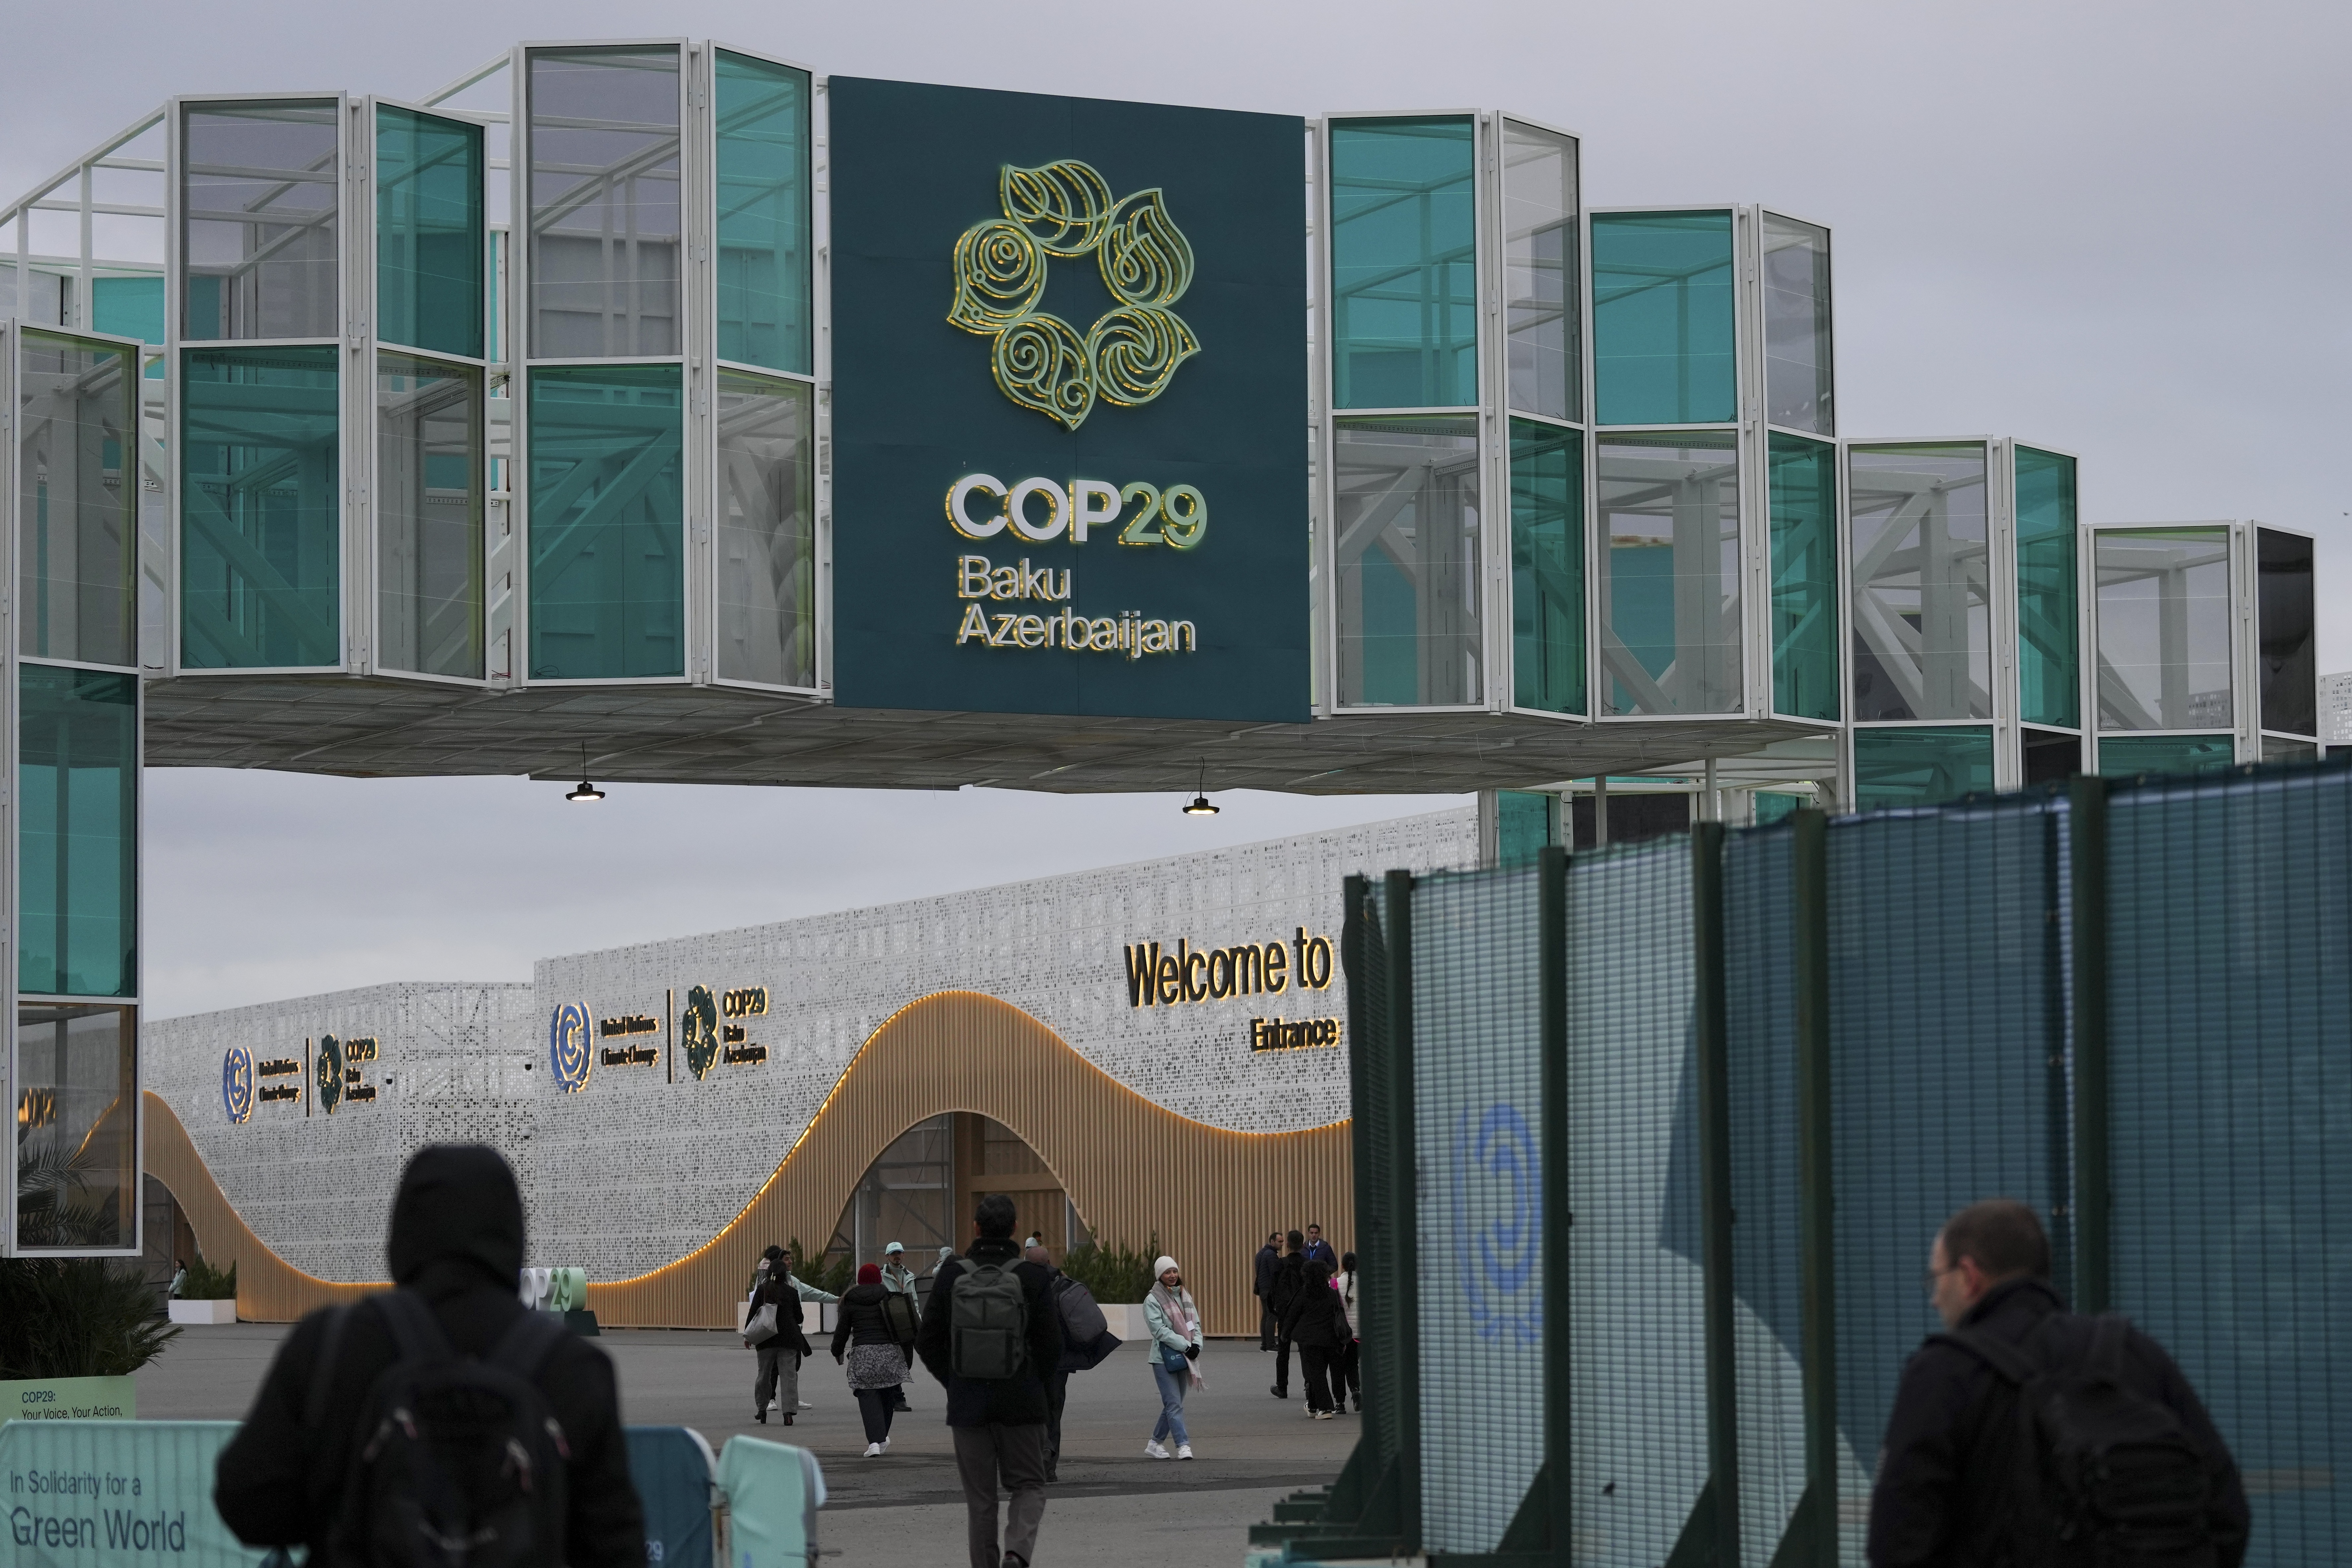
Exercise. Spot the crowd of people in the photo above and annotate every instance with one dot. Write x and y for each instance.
(1307, 1302)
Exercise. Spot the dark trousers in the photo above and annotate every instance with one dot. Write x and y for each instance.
(1282, 1364)
(1057, 1394)
(1267, 1329)
(1017, 1455)
(877, 1405)
(1315, 1366)
(898, 1394)
(1350, 1383)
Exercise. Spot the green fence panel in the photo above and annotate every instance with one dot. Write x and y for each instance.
(108, 1494)
(772, 1492)
(672, 1469)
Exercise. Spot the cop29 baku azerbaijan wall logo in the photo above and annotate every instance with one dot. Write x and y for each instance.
(697, 1030)
(1498, 1213)
(327, 1074)
(569, 1057)
(236, 1084)
(1066, 209)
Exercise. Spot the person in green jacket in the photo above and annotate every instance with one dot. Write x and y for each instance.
(897, 1277)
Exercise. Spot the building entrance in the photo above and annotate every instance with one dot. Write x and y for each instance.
(920, 1191)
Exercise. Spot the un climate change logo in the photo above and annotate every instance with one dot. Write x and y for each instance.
(236, 1084)
(568, 1054)
(1498, 1210)
(1041, 361)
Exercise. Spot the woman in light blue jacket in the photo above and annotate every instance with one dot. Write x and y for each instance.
(1175, 1325)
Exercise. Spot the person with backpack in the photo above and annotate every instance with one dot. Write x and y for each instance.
(1087, 1339)
(1175, 1325)
(898, 1277)
(442, 1409)
(875, 1322)
(1318, 1325)
(1349, 1374)
(1282, 1294)
(2027, 1435)
(989, 1335)
(775, 1306)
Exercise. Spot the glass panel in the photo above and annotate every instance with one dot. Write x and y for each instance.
(78, 772)
(1804, 577)
(607, 522)
(76, 1127)
(429, 515)
(1797, 390)
(1546, 567)
(1404, 285)
(127, 307)
(78, 450)
(1408, 557)
(2276, 750)
(258, 241)
(767, 534)
(604, 201)
(260, 510)
(1663, 320)
(2127, 756)
(1526, 822)
(1539, 271)
(2163, 629)
(1922, 582)
(2049, 668)
(1917, 767)
(2051, 756)
(1670, 576)
(429, 242)
(2290, 672)
(763, 213)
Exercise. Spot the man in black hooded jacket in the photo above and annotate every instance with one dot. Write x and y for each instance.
(456, 1241)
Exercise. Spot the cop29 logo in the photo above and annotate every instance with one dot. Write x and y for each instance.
(1498, 1215)
(236, 1084)
(697, 1030)
(1041, 361)
(569, 1056)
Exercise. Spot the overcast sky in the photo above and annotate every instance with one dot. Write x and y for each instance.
(2120, 229)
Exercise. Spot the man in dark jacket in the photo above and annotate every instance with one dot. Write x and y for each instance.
(999, 1424)
(1289, 1282)
(1942, 1491)
(1268, 1257)
(456, 1241)
(1076, 1356)
(1319, 1250)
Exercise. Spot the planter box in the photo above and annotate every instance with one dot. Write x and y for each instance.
(204, 1312)
(1126, 1321)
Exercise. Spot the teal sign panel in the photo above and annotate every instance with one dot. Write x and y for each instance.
(1069, 405)
(95, 1494)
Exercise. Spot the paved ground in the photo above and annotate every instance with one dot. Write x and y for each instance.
(1112, 1504)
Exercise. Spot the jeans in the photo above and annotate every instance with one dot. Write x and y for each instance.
(780, 1375)
(1018, 1455)
(1316, 1364)
(877, 1405)
(1171, 1400)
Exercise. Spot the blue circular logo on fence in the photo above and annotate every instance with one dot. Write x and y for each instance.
(236, 1084)
(1498, 1214)
(568, 1054)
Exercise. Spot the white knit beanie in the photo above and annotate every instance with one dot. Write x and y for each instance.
(1162, 1265)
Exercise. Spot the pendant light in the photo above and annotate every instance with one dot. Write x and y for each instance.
(588, 791)
(1201, 806)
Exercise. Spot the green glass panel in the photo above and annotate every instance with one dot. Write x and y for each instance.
(767, 530)
(2126, 756)
(1546, 567)
(1407, 493)
(77, 462)
(1919, 767)
(607, 522)
(77, 1126)
(127, 307)
(1669, 590)
(1404, 285)
(1526, 822)
(1804, 577)
(2164, 629)
(763, 213)
(428, 516)
(78, 772)
(260, 510)
(428, 244)
(2049, 668)
(1663, 322)
(1771, 805)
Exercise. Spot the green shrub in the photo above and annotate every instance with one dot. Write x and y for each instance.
(1115, 1274)
(206, 1283)
(77, 1317)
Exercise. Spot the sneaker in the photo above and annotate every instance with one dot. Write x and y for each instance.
(873, 1450)
(1322, 1416)
(1313, 1413)
(806, 1406)
(1152, 1450)
(1183, 1450)
(885, 1445)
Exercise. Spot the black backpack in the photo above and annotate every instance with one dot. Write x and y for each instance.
(899, 1316)
(2101, 1475)
(458, 1463)
(988, 1315)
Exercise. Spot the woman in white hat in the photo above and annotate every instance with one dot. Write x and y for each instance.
(1175, 1325)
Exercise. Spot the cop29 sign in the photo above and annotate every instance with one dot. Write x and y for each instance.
(1069, 405)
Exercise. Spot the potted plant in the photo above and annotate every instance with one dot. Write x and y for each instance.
(205, 1294)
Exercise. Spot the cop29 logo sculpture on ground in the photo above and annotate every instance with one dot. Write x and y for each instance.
(569, 1057)
(1498, 1215)
(1041, 361)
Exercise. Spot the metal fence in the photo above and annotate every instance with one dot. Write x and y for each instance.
(1652, 1145)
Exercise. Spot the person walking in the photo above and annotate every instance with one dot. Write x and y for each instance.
(994, 1375)
(863, 1333)
(295, 1474)
(1289, 1280)
(1319, 1250)
(1950, 1489)
(1317, 1324)
(900, 1279)
(1175, 1325)
(179, 1278)
(1351, 1374)
(778, 1373)
(1087, 1339)
(1268, 1257)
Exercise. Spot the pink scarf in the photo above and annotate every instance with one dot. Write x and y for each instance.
(1169, 1303)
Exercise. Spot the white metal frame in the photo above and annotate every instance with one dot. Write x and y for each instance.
(2262, 734)
(1757, 395)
